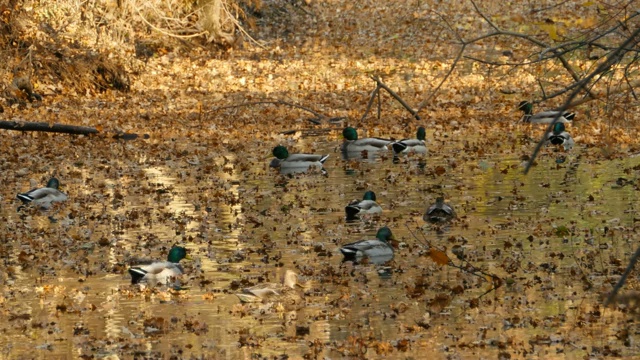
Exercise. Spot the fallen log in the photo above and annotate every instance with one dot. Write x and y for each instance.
(44, 126)
(65, 129)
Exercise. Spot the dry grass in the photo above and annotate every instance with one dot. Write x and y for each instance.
(88, 46)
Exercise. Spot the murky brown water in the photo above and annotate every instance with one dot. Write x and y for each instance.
(252, 226)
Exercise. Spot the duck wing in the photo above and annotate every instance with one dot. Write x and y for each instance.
(361, 206)
(306, 158)
(373, 141)
(406, 145)
(160, 270)
(368, 206)
(363, 246)
(48, 194)
(546, 117)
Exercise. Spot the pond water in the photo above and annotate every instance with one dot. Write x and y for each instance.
(557, 238)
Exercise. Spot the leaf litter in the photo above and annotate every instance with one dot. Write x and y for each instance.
(547, 246)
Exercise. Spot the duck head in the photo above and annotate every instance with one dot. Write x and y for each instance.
(384, 234)
(526, 107)
(280, 152)
(350, 134)
(369, 195)
(53, 183)
(558, 128)
(176, 254)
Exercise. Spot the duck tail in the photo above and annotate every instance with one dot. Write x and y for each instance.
(352, 211)
(556, 139)
(398, 147)
(25, 198)
(348, 253)
(137, 274)
(569, 115)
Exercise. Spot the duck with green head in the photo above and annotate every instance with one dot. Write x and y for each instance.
(545, 117)
(377, 250)
(439, 212)
(559, 136)
(367, 205)
(44, 197)
(159, 272)
(417, 145)
(352, 144)
(291, 163)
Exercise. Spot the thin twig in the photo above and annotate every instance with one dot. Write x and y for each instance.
(371, 100)
(396, 96)
(444, 79)
(453, 66)
(613, 58)
(632, 264)
(379, 104)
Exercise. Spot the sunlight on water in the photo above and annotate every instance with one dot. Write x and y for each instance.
(246, 229)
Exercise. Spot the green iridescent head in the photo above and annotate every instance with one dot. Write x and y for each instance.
(558, 128)
(526, 107)
(384, 234)
(350, 133)
(176, 254)
(53, 183)
(280, 152)
(369, 195)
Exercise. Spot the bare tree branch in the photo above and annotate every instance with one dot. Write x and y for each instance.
(375, 93)
(395, 96)
(623, 278)
(613, 58)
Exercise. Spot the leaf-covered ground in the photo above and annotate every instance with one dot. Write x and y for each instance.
(558, 239)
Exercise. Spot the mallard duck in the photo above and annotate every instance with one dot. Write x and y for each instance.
(288, 163)
(272, 291)
(352, 144)
(545, 117)
(416, 145)
(367, 205)
(154, 272)
(558, 136)
(44, 197)
(377, 250)
(439, 212)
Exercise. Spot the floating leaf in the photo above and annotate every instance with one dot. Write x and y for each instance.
(439, 257)
(552, 30)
